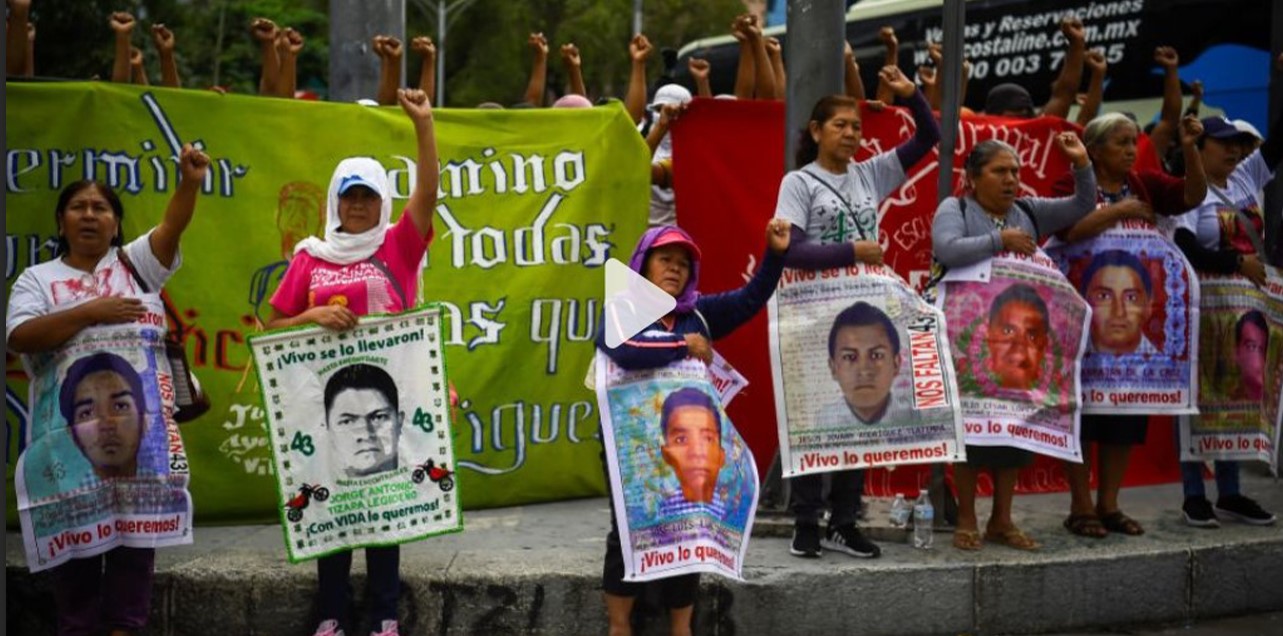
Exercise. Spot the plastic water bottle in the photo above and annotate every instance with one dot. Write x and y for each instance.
(900, 510)
(923, 520)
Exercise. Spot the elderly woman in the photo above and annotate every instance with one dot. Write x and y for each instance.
(1121, 193)
(49, 305)
(364, 265)
(989, 219)
(831, 204)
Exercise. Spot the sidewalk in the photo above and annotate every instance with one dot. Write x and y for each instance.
(536, 570)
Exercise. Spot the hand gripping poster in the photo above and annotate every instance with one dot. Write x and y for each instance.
(1240, 371)
(683, 481)
(1142, 351)
(104, 464)
(360, 428)
(1018, 330)
(862, 373)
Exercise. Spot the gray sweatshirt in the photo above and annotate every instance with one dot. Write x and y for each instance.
(958, 241)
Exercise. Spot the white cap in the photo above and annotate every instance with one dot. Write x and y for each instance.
(1243, 126)
(670, 94)
(366, 101)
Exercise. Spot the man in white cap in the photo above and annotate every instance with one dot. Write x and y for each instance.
(663, 207)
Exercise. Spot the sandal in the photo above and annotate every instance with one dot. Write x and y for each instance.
(1116, 521)
(968, 540)
(1086, 525)
(1012, 538)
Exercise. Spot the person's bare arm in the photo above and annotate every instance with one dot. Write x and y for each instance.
(777, 67)
(537, 86)
(635, 101)
(1196, 99)
(574, 69)
(335, 317)
(137, 72)
(163, 38)
(423, 199)
(1195, 177)
(389, 50)
(892, 44)
(288, 47)
(51, 331)
(1165, 132)
(16, 35)
(1095, 87)
(745, 71)
(1064, 91)
(427, 50)
(1103, 218)
(764, 78)
(851, 76)
(667, 115)
(699, 70)
(123, 25)
(192, 165)
(264, 32)
(29, 69)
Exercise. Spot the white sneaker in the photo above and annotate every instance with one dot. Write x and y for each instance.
(328, 628)
(389, 629)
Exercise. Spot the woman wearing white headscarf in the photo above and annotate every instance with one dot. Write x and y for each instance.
(364, 265)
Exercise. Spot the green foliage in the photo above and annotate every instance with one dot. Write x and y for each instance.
(487, 58)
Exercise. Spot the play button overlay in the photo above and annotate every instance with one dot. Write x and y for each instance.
(632, 303)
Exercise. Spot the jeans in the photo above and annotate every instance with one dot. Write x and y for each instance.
(383, 584)
(844, 497)
(1226, 478)
(104, 592)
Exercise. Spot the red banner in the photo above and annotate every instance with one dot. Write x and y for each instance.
(728, 160)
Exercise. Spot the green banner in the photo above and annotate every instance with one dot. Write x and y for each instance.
(531, 205)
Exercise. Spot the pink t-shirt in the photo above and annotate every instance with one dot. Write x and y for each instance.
(361, 287)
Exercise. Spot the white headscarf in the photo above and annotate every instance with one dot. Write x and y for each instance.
(343, 248)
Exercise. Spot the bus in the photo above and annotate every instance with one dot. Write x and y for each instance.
(1223, 43)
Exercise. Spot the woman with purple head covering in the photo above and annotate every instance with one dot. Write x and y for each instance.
(668, 257)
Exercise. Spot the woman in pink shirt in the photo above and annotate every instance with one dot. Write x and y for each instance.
(364, 265)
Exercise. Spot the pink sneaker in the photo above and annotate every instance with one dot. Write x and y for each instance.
(328, 628)
(389, 629)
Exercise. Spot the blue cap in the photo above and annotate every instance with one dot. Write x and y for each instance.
(353, 180)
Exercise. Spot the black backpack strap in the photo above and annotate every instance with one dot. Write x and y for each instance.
(1029, 213)
(123, 257)
(841, 198)
(396, 284)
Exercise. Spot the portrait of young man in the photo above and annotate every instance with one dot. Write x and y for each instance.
(102, 400)
(1017, 337)
(864, 360)
(363, 420)
(1119, 290)
(692, 446)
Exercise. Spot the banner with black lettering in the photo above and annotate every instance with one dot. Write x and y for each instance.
(104, 464)
(1018, 360)
(1240, 371)
(1143, 344)
(683, 482)
(862, 373)
(359, 422)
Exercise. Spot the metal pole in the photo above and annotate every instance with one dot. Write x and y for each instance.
(1274, 190)
(637, 16)
(953, 20)
(814, 44)
(354, 69)
(441, 29)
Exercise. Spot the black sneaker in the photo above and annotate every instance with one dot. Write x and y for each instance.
(1240, 508)
(806, 541)
(1198, 513)
(849, 540)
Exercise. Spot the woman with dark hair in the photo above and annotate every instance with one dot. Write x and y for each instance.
(831, 204)
(991, 218)
(365, 265)
(1122, 193)
(87, 285)
(668, 258)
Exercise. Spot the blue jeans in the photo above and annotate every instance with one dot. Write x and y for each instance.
(1226, 472)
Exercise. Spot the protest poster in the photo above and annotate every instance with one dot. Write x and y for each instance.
(1143, 344)
(360, 429)
(684, 483)
(862, 373)
(532, 203)
(1240, 371)
(104, 464)
(1017, 360)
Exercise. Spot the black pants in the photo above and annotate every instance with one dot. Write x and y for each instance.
(675, 592)
(383, 574)
(807, 497)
